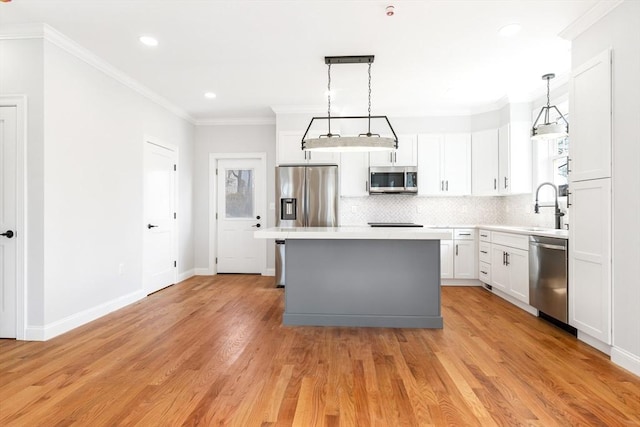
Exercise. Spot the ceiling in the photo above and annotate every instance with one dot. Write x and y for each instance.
(431, 57)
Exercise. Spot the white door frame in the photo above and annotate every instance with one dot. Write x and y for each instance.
(156, 141)
(20, 102)
(261, 183)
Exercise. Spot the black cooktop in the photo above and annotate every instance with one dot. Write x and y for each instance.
(394, 224)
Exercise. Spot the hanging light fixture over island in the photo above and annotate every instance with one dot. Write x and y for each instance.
(366, 141)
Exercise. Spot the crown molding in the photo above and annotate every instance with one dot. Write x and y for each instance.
(237, 121)
(21, 31)
(593, 15)
(301, 109)
(48, 33)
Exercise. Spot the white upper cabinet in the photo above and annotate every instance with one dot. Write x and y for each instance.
(514, 158)
(354, 174)
(444, 164)
(405, 155)
(590, 122)
(484, 162)
(289, 150)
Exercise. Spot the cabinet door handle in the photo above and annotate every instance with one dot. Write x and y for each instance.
(568, 167)
(366, 186)
(568, 203)
(441, 185)
(447, 187)
(507, 254)
(483, 252)
(483, 272)
(506, 182)
(504, 258)
(456, 249)
(495, 184)
(464, 234)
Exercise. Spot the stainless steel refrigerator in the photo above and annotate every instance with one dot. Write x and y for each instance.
(306, 196)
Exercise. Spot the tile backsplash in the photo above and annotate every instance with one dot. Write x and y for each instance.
(507, 210)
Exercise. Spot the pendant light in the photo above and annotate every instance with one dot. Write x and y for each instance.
(366, 141)
(549, 130)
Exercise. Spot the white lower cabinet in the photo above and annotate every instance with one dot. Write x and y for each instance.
(510, 265)
(458, 257)
(446, 259)
(464, 263)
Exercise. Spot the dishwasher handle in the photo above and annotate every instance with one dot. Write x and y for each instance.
(548, 246)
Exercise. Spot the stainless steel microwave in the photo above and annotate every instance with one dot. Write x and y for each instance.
(393, 180)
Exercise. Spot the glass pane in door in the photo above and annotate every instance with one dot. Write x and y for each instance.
(239, 197)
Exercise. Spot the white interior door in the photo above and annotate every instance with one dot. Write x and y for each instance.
(240, 212)
(8, 144)
(160, 264)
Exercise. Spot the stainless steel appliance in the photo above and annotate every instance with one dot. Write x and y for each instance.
(393, 179)
(306, 196)
(548, 290)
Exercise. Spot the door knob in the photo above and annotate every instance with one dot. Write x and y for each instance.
(257, 225)
(8, 234)
(258, 217)
(151, 226)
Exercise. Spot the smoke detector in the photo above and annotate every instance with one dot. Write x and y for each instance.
(390, 10)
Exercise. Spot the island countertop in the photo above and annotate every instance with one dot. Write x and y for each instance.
(353, 233)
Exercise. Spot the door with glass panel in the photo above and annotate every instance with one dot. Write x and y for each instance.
(239, 213)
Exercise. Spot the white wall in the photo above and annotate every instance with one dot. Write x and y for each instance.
(22, 72)
(85, 175)
(228, 139)
(620, 30)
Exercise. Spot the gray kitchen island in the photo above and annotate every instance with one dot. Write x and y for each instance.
(359, 276)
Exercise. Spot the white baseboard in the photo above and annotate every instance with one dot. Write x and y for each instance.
(626, 360)
(269, 272)
(38, 333)
(460, 282)
(203, 272)
(186, 274)
(595, 343)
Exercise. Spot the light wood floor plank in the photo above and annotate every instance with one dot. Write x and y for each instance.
(213, 351)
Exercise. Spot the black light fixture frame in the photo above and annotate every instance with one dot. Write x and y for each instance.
(351, 59)
(547, 108)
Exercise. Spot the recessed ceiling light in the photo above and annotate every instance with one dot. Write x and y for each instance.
(509, 30)
(209, 95)
(148, 41)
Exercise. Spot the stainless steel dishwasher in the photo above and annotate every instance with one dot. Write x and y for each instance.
(548, 290)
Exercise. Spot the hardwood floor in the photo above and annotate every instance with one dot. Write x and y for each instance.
(212, 351)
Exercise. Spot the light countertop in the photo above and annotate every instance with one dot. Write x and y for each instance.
(527, 230)
(354, 233)
(428, 232)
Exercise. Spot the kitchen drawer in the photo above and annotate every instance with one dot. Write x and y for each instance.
(484, 252)
(518, 241)
(464, 234)
(484, 272)
(485, 235)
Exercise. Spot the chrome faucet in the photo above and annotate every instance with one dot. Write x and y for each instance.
(558, 213)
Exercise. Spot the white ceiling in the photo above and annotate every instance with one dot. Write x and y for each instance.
(430, 57)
